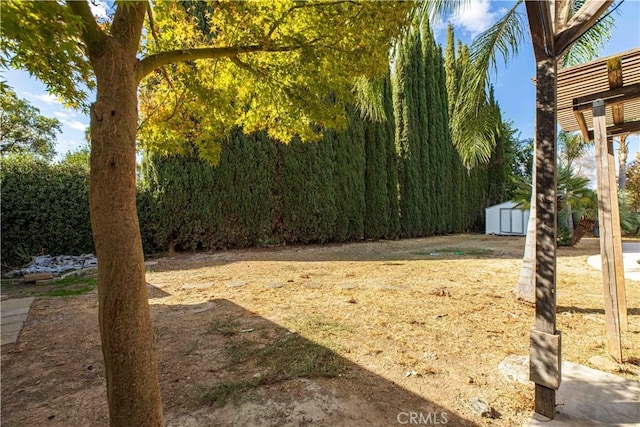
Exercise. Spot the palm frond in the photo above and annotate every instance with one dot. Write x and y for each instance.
(477, 136)
(522, 192)
(473, 131)
(589, 46)
(368, 99)
(503, 38)
(433, 10)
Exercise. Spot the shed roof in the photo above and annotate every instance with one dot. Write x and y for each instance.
(510, 204)
(580, 85)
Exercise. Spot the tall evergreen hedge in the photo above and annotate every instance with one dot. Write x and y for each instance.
(45, 209)
(407, 110)
(381, 177)
(349, 181)
(308, 198)
(437, 194)
(398, 177)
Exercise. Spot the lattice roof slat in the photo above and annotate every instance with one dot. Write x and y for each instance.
(591, 78)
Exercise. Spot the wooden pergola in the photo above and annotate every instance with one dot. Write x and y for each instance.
(579, 98)
(601, 99)
(615, 80)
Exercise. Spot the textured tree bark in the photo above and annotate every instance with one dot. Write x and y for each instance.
(623, 151)
(128, 342)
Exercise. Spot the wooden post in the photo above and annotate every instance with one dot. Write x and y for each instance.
(550, 39)
(610, 240)
(617, 238)
(614, 71)
(545, 346)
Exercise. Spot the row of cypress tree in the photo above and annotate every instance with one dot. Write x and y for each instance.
(343, 187)
(399, 177)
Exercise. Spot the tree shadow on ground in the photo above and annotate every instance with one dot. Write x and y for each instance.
(220, 364)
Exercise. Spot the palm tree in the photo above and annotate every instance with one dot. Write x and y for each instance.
(472, 131)
(571, 147)
(504, 38)
(577, 201)
(623, 152)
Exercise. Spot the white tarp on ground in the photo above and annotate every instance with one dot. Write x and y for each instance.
(56, 265)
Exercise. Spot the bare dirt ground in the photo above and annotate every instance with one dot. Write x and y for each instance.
(358, 334)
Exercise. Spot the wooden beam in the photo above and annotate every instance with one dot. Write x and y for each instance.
(619, 130)
(615, 96)
(605, 218)
(617, 111)
(561, 15)
(35, 277)
(546, 234)
(614, 71)
(580, 23)
(547, 26)
(623, 129)
(541, 28)
(582, 123)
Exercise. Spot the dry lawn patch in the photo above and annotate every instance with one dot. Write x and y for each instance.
(356, 334)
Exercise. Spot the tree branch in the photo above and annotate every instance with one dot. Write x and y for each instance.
(245, 66)
(92, 35)
(151, 62)
(154, 33)
(288, 12)
(152, 23)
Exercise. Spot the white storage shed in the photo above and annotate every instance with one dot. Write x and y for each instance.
(506, 219)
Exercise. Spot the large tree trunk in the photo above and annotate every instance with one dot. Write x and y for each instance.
(525, 290)
(623, 151)
(128, 342)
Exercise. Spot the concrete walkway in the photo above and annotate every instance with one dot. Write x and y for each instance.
(588, 397)
(13, 313)
(630, 258)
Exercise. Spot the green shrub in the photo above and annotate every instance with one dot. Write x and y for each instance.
(45, 209)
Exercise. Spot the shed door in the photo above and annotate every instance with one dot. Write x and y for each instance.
(511, 221)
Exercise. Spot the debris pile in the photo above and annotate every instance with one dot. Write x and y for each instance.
(56, 265)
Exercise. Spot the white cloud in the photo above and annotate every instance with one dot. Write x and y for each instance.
(438, 26)
(63, 115)
(43, 97)
(474, 17)
(98, 8)
(75, 124)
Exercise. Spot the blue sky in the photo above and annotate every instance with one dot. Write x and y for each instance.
(514, 88)
(513, 85)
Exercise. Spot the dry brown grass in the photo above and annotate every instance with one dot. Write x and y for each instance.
(448, 319)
